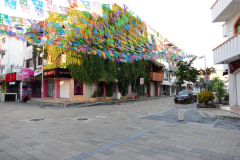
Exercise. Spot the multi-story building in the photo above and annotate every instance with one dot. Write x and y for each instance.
(168, 84)
(11, 62)
(228, 52)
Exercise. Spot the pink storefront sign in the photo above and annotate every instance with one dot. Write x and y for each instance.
(25, 73)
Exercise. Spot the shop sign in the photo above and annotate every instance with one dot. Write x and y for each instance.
(38, 71)
(3, 77)
(234, 66)
(12, 83)
(25, 73)
(10, 77)
(57, 73)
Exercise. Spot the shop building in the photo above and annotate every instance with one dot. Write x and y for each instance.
(11, 62)
(228, 52)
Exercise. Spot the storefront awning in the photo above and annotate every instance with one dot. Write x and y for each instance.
(25, 73)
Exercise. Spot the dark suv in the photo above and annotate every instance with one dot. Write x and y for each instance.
(182, 97)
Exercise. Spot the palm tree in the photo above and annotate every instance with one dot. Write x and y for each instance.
(209, 71)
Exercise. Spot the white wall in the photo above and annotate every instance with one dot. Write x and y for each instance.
(229, 25)
(13, 55)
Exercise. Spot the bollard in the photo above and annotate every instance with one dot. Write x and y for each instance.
(180, 115)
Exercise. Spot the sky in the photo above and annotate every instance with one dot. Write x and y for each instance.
(186, 23)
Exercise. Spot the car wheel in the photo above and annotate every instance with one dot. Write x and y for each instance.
(176, 102)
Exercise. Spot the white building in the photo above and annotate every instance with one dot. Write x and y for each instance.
(168, 84)
(11, 62)
(228, 52)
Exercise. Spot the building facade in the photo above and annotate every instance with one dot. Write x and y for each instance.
(228, 52)
(11, 62)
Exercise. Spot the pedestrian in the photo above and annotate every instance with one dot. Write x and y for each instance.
(119, 97)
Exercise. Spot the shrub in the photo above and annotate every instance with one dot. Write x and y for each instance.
(205, 96)
(95, 94)
(226, 97)
(109, 90)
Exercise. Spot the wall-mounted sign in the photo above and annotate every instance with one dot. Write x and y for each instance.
(141, 80)
(12, 83)
(234, 66)
(57, 73)
(10, 77)
(38, 71)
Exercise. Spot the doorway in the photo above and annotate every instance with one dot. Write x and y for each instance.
(238, 87)
(64, 88)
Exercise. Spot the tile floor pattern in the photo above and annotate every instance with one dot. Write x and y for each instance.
(128, 136)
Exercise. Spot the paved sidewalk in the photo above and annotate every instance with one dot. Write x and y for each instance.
(114, 132)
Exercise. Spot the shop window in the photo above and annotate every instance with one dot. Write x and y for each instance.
(50, 88)
(78, 88)
(237, 27)
(29, 63)
(39, 61)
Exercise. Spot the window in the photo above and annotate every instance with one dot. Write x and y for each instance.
(29, 63)
(4, 40)
(78, 88)
(50, 88)
(39, 61)
(237, 27)
(2, 71)
(2, 55)
(28, 44)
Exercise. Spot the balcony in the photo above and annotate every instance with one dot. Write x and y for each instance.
(222, 10)
(173, 68)
(154, 76)
(228, 51)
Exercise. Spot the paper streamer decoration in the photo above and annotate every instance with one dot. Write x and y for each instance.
(38, 5)
(25, 8)
(11, 4)
(64, 10)
(49, 1)
(72, 3)
(87, 5)
(52, 7)
(24, 2)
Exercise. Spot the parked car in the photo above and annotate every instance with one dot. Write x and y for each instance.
(182, 97)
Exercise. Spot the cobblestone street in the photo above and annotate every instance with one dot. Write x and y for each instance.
(141, 130)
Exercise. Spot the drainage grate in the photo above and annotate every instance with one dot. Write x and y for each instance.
(82, 119)
(36, 120)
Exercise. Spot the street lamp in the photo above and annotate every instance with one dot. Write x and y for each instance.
(42, 55)
(205, 70)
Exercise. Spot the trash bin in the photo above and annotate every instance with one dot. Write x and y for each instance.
(181, 115)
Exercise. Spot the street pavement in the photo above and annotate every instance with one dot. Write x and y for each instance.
(140, 130)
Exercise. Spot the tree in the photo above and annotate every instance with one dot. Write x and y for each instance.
(209, 71)
(220, 91)
(186, 73)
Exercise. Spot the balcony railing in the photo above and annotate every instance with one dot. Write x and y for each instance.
(222, 10)
(227, 51)
(154, 76)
